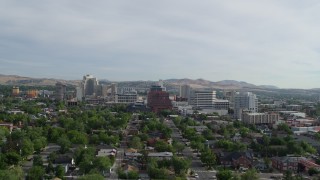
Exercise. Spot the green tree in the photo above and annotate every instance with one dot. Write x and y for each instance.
(14, 173)
(77, 137)
(251, 174)
(244, 131)
(37, 161)
(39, 143)
(133, 175)
(60, 172)
(313, 171)
(12, 158)
(208, 157)
(136, 143)
(224, 175)
(36, 173)
(178, 146)
(102, 163)
(27, 147)
(288, 175)
(180, 165)
(64, 143)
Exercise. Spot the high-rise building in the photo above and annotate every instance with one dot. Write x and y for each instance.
(245, 101)
(158, 99)
(185, 91)
(61, 90)
(79, 93)
(90, 85)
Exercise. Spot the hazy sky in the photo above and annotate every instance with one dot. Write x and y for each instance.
(274, 42)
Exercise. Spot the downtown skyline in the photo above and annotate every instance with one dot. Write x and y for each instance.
(263, 43)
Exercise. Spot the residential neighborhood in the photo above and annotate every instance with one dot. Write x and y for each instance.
(44, 136)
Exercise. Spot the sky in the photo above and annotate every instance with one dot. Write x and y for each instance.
(265, 42)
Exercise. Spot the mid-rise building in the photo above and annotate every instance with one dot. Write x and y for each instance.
(185, 91)
(203, 99)
(260, 118)
(33, 93)
(127, 97)
(245, 101)
(158, 99)
(15, 91)
(61, 90)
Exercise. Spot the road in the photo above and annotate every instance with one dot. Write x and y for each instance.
(196, 164)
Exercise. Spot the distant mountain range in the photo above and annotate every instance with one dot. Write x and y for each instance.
(197, 83)
(226, 84)
(27, 81)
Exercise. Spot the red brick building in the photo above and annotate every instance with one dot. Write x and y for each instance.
(236, 159)
(292, 163)
(158, 99)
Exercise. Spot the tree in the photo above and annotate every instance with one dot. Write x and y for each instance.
(36, 173)
(77, 137)
(14, 173)
(64, 143)
(133, 175)
(12, 158)
(313, 171)
(60, 172)
(27, 147)
(37, 161)
(251, 174)
(136, 143)
(102, 163)
(208, 157)
(288, 175)
(180, 165)
(244, 131)
(39, 143)
(224, 175)
(284, 127)
(162, 146)
(178, 146)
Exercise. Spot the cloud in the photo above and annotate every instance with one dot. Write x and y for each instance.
(265, 42)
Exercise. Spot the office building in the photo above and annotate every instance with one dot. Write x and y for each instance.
(185, 91)
(158, 99)
(127, 97)
(202, 99)
(61, 90)
(259, 118)
(90, 85)
(245, 101)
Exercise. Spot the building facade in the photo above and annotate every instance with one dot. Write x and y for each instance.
(90, 85)
(245, 101)
(128, 97)
(259, 118)
(185, 91)
(203, 99)
(61, 90)
(158, 99)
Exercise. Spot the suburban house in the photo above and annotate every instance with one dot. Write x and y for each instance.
(105, 151)
(66, 161)
(236, 159)
(293, 163)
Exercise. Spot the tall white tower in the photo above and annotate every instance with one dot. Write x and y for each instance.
(244, 101)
